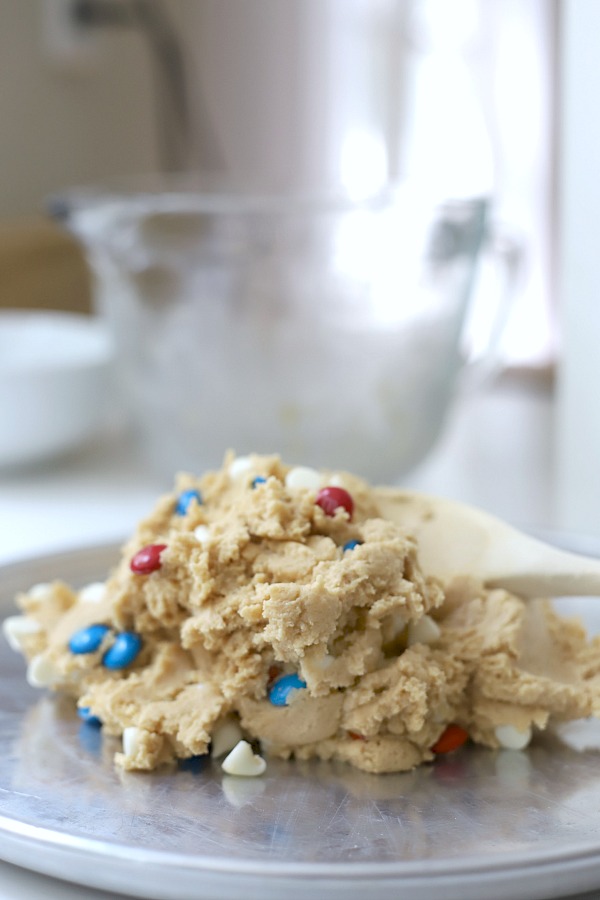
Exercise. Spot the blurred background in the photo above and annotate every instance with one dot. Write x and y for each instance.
(478, 110)
(307, 94)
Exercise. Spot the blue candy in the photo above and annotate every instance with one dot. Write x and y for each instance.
(350, 545)
(185, 499)
(258, 480)
(87, 716)
(194, 764)
(87, 640)
(126, 647)
(281, 689)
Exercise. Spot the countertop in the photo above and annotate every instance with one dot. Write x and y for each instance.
(496, 452)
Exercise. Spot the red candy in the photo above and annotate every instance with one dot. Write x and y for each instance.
(451, 739)
(331, 499)
(274, 673)
(147, 559)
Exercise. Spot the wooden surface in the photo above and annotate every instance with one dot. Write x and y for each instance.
(42, 267)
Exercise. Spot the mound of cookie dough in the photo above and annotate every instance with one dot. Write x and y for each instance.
(272, 606)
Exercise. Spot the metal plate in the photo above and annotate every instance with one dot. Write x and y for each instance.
(476, 823)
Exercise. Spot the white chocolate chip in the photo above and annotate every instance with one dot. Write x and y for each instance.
(225, 737)
(336, 481)
(93, 593)
(425, 631)
(39, 591)
(15, 628)
(242, 761)
(323, 662)
(397, 625)
(240, 466)
(142, 749)
(293, 694)
(303, 477)
(201, 533)
(42, 672)
(131, 740)
(511, 738)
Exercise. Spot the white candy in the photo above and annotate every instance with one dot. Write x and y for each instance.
(511, 738)
(303, 477)
(131, 740)
(242, 761)
(39, 591)
(225, 738)
(425, 631)
(42, 672)
(93, 593)
(240, 466)
(201, 533)
(15, 628)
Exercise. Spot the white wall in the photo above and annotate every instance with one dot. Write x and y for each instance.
(578, 420)
(59, 129)
(277, 87)
(302, 93)
(291, 89)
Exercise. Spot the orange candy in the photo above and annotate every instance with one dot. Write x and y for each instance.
(451, 739)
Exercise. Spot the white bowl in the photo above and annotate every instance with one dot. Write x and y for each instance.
(54, 379)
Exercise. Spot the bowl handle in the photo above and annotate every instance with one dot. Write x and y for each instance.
(497, 288)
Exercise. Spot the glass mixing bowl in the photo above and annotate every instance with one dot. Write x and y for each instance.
(326, 329)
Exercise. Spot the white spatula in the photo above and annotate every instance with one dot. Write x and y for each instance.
(457, 539)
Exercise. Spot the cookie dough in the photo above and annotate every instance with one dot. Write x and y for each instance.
(275, 605)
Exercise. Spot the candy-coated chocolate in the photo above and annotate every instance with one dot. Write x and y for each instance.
(280, 690)
(185, 500)
(331, 498)
(194, 764)
(147, 559)
(126, 647)
(350, 545)
(272, 675)
(87, 716)
(258, 480)
(451, 739)
(88, 640)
